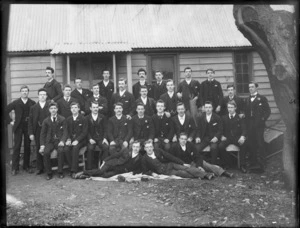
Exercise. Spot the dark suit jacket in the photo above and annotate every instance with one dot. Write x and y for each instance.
(54, 91)
(34, 117)
(189, 91)
(102, 101)
(188, 127)
(158, 90)
(127, 100)
(163, 127)
(144, 130)
(123, 132)
(260, 110)
(64, 108)
(107, 91)
(51, 131)
(77, 131)
(239, 105)
(16, 105)
(188, 156)
(136, 90)
(82, 98)
(150, 108)
(97, 129)
(215, 127)
(214, 89)
(233, 128)
(170, 103)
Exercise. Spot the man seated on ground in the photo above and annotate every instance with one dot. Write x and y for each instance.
(187, 153)
(119, 130)
(127, 160)
(163, 127)
(161, 162)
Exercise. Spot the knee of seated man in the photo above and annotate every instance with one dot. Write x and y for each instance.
(213, 146)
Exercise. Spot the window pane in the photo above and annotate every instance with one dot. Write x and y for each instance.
(243, 72)
(239, 88)
(164, 64)
(245, 58)
(239, 78)
(245, 88)
(238, 68)
(245, 78)
(245, 68)
(237, 58)
(99, 64)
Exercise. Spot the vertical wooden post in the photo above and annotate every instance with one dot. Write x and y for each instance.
(129, 72)
(90, 72)
(68, 69)
(115, 72)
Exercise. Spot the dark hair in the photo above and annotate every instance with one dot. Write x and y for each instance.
(140, 70)
(94, 102)
(50, 68)
(136, 141)
(53, 104)
(105, 70)
(118, 104)
(42, 90)
(77, 79)
(187, 68)
(140, 104)
(96, 84)
(67, 86)
(143, 87)
(231, 103)
(75, 103)
(208, 102)
(183, 133)
(148, 142)
(210, 69)
(24, 87)
(160, 101)
(170, 80)
(123, 79)
(230, 86)
(179, 104)
(158, 71)
(252, 82)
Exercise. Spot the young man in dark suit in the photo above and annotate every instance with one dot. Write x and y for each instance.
(124, 97)
(81, 95)
(149, 103)
(232, 97)
(189, 91)
(142, 125)
(102, 101)
(127, 160)
(97, 134)
(209, 132)
(257, 111)
(119, 130)
(162, 162)
(53, 136)
(37, 114)
(142, 82)
(21, 109)
(54, 92)
(163, 127)
(182, 122)
(188, 154)
(234, 132)
(212, 90)
(170, 99)
(77, 131)
(106, 87)
(159, 87)
(65, 102)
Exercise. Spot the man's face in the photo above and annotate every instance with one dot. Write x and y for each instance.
(180, 110)
(118, 110)
(74, 109)
(42, 96)
(140, 110)
(122, 85)
(94, 108)
(208, 108)
(170, 86)
(158, 76)
(96, 90)
(183, 140)
(230, 91)
(142, 75)
(53, 110)
(67, 92)
(106, 75)
(231, 109)
(49, 75)
(160, 107)
(136, 147)
(144, 92)
(78, 83)
(252, 88)
(24, 93)
(188, 73)
(210, 74)
(149, 149)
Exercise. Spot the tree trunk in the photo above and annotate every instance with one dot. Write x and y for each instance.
(273, 35)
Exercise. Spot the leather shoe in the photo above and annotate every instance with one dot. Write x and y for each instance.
(243, 169)
(49, 177)
(227, 174)
(209, 176)
(61, 176)
(28, 170)
(73, 176)
(39, 172)
(14, 172)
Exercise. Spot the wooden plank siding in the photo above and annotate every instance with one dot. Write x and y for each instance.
(138, 61)
(121, 66)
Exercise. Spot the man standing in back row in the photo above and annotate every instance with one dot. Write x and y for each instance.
(106, 88)
(54, 92)
(81, 95)
(142, 82)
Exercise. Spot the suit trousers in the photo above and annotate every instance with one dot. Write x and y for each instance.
(184, 171)
(213, 149)
(162, 145)
(225, 157)
(210, 168)
(103, 153)
(106, 171)
(47, 156)
(117, 147)
(72, 154)
(39, 157)
(19, 133)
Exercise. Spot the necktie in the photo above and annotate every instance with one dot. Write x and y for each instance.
(54, 119)
(252, 96)
(231, 116)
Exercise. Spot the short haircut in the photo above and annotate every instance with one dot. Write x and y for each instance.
(140, 104)
(148, 142)
(24, 87)
(67, 86)
(77, 79)
(118, 104)
(42, 90)
(232, 102)
(105, 70)
(183, 133)
(143, 87)
(94, 102)
(123, 79)
(208, 102)
(230, 86)
(210, 69)
(158, 71)
(255, 83)
(140, 70)
(160, 101)
(53, 104)
(137, 142)
(170, 80)
(187, 68)
(179, 104)
(96, 84)
(50, 68)
(75, 103)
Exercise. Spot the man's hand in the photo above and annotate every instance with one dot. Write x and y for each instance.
(105, 141)
(187, 165)
(195, 98)
(52, 101)
(112, 143)
(128, 117)
(223, 138)
(174, 139)
(12, 123)
(166, 140)
(31, 137)
(168, 114)
(42, 148)
(61, 143)
(92, 141)
(179, 95)
(242, 140)
(131, 141)
(218, 109)
(68, 142)
(74, 143)
(214, 139)
(82, 112)
(190, 139)
(125, 144)
(242, 115)
(197, 140)
(156, 140)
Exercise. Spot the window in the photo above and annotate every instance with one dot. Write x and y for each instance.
(164, 63)
(243, 71)
(99, 64)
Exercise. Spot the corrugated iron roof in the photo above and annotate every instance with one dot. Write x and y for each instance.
(112, 28)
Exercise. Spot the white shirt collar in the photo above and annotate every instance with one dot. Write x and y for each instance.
(171, 94)
(210, 79)
(159, 83)
(54, 116)
(80, 90)
(254, 94)
(232, 115)
(105, 83)
(208, 117)
(67, 98)
(119, 117)
(42, 104)
(96, 96)
(144, 100)
(122, 92)
(142, 82)
(183, 117)
(161, 114)
(51, 80)
(152, 155)
(183, 147)
(75, 117)
(141, 117)
(188, 81)
(230, 98)
(94, 116)
(24, 100)
(133, 155)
